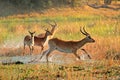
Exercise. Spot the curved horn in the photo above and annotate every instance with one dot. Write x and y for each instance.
(85, 31)
(82, 31)
(55, 23)
(49, 23)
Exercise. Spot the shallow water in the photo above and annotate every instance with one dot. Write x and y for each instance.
(35, 59)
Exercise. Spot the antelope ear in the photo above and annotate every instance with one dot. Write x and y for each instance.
(55, 23)
(34, 31)
(29, 31)
(46, 29)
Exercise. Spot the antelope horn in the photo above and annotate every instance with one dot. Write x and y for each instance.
(82, 32)
(85, 31)
(50, 23)
(55, 23)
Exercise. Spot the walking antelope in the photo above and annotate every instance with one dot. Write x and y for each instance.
(53, 30)
(29, 40)
(67, 46)
(37, 40)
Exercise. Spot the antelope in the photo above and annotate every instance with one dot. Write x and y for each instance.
(29, 40)
(67, 46)
(53, 30)
(37, 40)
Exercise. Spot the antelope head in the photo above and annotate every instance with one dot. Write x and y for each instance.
(48, 32)
(31, 33)
(52, 25)
(88, 37)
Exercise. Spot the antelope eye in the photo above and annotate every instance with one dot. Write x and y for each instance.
(89, 37)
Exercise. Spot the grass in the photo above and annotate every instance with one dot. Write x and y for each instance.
(10, 26)
(97, 70)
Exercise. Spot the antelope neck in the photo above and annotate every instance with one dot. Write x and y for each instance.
(46, 35)
(32, 39)
(81, 42)
(52, 30)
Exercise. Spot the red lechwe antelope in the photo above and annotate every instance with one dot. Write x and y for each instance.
(67, 46)
(36, 40)
(29, 40)
(53, 30)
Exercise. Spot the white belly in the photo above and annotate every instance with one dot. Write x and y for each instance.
(64, 50)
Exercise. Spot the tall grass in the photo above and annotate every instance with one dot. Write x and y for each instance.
(68, 25)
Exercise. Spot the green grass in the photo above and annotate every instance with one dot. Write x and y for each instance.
(65, 23)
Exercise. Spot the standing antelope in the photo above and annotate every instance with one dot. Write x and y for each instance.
(29, 40)
(37, 40)
(67, 46)
(53, 30)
